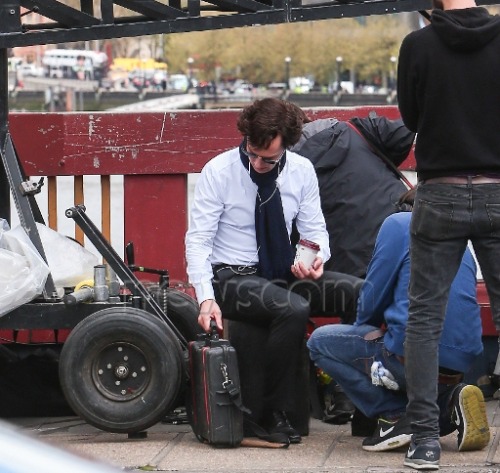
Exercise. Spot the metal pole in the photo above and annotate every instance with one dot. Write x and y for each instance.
(339, 65)
(4, 120)
(288, 59)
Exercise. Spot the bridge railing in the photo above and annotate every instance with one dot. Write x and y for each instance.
(152, 152)
(143, 160)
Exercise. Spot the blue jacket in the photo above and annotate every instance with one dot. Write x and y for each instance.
(384, 298)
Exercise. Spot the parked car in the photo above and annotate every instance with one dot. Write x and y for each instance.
(148, 78)
(29, 70)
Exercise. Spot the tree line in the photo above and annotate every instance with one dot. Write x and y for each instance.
(368, 47)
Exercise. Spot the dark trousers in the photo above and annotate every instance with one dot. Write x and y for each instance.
(444, 218)
(284, 309)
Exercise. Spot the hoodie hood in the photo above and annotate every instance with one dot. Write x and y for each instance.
(466, 29)
(310, 129)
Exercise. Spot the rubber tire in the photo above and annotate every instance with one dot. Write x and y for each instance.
(149, 341)
(183, 311)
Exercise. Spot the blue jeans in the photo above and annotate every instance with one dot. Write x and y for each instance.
(445, 217)
(343, 353)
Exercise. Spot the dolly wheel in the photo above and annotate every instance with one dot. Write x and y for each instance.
(182, 310)
(120, 369)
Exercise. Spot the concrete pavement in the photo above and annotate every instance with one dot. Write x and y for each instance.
(328, 448)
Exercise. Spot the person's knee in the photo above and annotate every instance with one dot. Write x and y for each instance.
(297, 308)
(296, 320)
(322, 340)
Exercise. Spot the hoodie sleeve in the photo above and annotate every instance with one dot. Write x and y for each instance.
(388, 137)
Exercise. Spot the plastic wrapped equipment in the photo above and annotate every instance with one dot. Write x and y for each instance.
(23, 271)
(69, 261)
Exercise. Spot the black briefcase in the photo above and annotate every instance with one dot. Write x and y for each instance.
(214, 399)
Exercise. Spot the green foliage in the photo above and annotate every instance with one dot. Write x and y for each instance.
(258, 53)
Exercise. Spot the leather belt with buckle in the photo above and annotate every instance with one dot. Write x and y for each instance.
(240, 269)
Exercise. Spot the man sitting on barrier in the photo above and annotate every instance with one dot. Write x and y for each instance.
(368, 362)
(240, 258)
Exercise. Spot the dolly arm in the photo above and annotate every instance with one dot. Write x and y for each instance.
(131, 282)
(23, 205)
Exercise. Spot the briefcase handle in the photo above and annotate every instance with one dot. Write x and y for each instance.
(213, 335)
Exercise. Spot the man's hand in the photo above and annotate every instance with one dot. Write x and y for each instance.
(314, 272)
(209, 309)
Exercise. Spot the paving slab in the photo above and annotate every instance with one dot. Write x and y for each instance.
(174, 448)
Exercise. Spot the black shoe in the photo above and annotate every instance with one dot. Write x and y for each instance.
(341, 409)
(278, 422)
(253, 429)
(424, 455)
(388, 436)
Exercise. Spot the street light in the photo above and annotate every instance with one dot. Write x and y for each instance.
(338, 60)
(190, 61)
(288, 60)
(393, 71)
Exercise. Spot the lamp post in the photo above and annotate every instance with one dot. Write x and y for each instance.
(393, 72)
(288, 60)
(338, 60)
(190, 62)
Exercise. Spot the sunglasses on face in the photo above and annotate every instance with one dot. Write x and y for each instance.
(271, 161)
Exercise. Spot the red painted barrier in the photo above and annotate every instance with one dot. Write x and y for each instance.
(155, 152)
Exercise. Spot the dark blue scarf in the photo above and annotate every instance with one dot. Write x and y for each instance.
(273, 242)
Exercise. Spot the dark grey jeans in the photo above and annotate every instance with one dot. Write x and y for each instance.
(445, 217)
(284, 309)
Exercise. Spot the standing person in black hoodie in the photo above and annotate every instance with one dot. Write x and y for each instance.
(448, 93)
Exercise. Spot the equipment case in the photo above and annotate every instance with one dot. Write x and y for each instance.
(214, 394)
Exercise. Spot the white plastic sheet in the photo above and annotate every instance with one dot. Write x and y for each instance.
(69, 262)
(23, 272)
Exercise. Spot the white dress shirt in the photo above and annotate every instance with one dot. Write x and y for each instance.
(222, 220)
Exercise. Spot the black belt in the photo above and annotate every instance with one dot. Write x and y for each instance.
(240, 269)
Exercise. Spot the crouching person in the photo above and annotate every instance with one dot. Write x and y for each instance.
(368, 362)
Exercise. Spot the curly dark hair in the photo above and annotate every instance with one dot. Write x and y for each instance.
(265, 119)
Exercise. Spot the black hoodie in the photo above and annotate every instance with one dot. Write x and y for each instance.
(449, 93)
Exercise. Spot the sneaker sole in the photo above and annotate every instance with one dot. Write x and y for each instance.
(421, 464)
(476, 429)
(389, 444)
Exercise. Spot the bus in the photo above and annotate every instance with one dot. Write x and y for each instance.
(75, 64)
